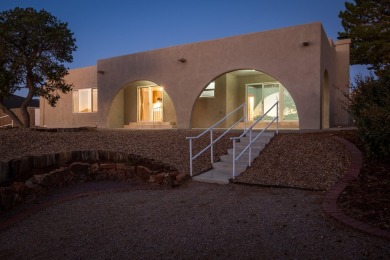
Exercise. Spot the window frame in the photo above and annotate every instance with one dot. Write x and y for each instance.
(92, 100)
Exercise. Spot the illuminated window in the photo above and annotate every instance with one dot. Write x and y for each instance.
(209, 91)
(85, 100)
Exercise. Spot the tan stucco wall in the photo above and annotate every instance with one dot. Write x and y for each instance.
(278, 53)
(62, 114)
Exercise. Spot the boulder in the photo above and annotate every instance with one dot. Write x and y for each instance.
(20, 187)
(143, 172)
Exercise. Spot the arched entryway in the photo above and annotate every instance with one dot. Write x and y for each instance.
(257, 89)
(325, 102)
(142, 104)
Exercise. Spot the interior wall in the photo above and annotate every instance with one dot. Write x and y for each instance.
(169, 109)
(116, 114)
(208, 111)
(232, 102)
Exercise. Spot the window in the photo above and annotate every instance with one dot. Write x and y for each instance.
(209, 91)
(85, 100)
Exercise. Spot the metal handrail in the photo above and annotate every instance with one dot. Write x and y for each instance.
(251, 142)
(11, 124)
(160, 111)
(212, 141)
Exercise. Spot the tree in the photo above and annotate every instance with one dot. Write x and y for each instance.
(34, 46)
(367, 24)
(369, 104)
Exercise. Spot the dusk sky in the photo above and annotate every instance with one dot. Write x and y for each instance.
(106, 29)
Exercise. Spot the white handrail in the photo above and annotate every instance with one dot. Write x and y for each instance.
(251, 142)
(11, 124)
(212, 141)
(159, 110)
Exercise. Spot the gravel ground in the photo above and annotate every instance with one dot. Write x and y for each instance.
(311, 161)
(168, 146)
(194, 221)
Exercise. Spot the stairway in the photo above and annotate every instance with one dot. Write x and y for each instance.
(150, 125)
(222, 170)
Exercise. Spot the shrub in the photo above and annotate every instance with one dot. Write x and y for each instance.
(369, 105)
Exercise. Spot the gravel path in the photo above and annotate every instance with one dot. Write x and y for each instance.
(194, 221)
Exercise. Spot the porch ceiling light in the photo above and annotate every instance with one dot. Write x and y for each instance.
(306, 43)
(182, 60)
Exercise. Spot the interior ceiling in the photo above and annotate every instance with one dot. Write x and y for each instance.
(246, 73)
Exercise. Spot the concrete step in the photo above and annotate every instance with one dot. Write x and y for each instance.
(244, 159)
(213, 176)
(228, 167)
(222, 170)
(150, 125)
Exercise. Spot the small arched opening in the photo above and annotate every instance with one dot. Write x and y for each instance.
(142, 104)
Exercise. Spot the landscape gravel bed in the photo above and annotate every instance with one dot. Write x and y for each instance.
(193, 221)
(312, 160)
(168, 146)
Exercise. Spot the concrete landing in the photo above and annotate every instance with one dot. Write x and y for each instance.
(222, 171)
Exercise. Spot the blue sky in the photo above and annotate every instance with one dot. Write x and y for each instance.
(106, 29)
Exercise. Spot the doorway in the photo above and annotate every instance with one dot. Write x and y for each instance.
(260, 98)
(150, 104)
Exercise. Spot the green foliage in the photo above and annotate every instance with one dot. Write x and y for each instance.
(34, 46)
(369, 105)
(367, 23)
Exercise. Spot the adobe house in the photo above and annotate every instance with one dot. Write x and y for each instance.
(195, 85)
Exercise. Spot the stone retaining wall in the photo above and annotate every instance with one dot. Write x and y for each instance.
(23, 168)
(27, 178)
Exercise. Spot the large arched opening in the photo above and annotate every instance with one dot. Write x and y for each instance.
(257, 89)
(142, 104)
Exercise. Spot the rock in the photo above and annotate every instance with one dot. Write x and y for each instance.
(174, 174)
(8, 197)
(79, 168)
(41, 179)
(30, 197)
(20, 187)
(121, 175)
(157, 178)
(93, 170)
(120, 166)
(34, 188)
(181, 177)
(107, 166)
(143, 172)
(130, 171)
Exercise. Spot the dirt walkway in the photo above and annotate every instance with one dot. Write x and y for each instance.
(195, 220)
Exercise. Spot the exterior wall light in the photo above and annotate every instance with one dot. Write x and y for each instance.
(100, 71)
(182, 60)
(306, 43)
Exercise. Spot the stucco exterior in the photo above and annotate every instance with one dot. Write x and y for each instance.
(313, 68)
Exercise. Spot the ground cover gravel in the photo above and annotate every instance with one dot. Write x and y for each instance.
(194, 221)
(168, 146)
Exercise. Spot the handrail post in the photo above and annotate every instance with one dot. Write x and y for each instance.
(245, 115)
(212, 147)
(250, 146)
(191, 157)
(234, 158)
(277, 118)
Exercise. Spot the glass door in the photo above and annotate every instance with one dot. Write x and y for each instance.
(150, 104)
(254, 101)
